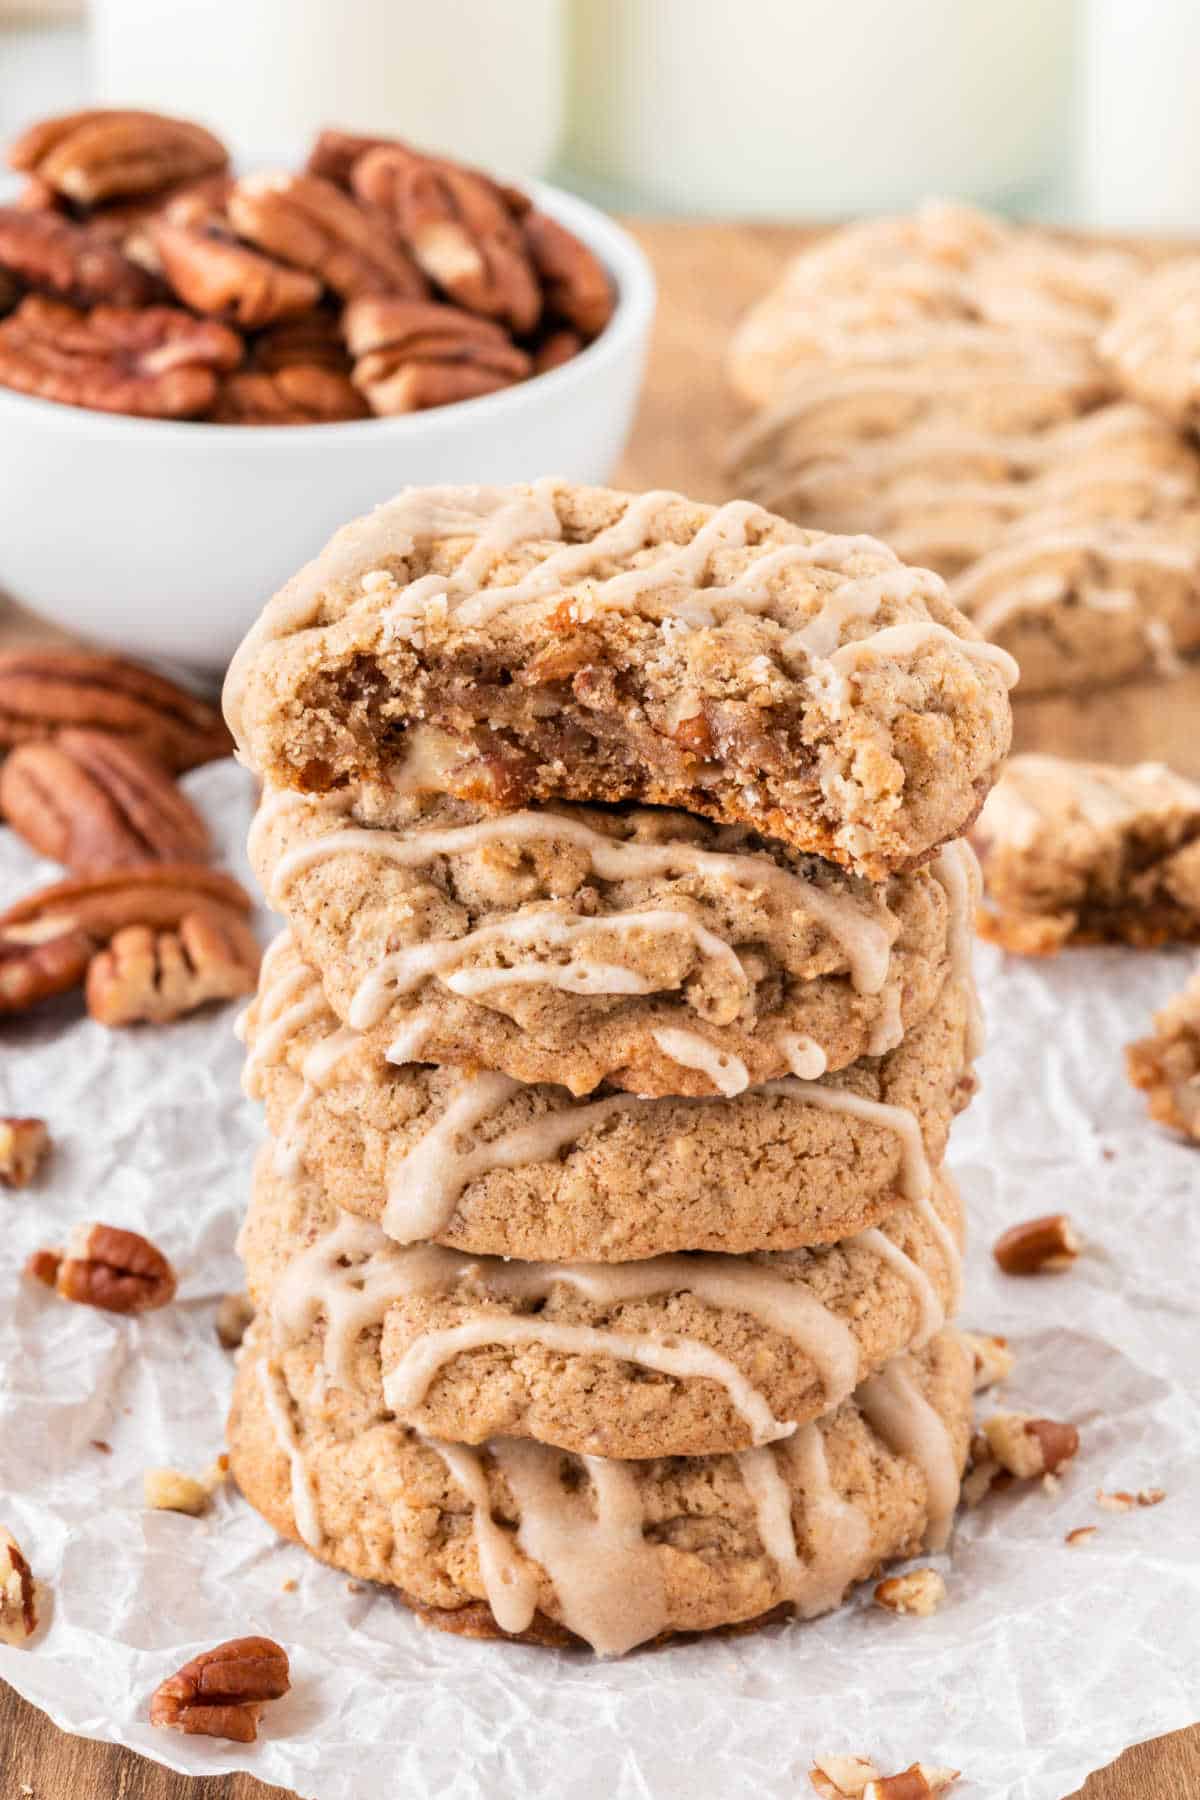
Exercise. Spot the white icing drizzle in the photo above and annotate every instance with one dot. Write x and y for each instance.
(410, 1040)
(304, 1499)
(315, 1071)
(957, 869)
(285, 1004)
(864, 935)
(424, 1186)
(888, 1029)
(837, 1531)
(510, 1582)
(946, 1240)
(904, 640)
(728, 1073)
(931, 1314)
(606, 1576)
(406, 1385)
(805, 1057)
(894, 1408)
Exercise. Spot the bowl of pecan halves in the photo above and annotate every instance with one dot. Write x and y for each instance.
(409, 318)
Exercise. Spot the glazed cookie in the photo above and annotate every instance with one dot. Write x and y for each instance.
(644, 948)
(1090, 853)
(673, 1356)
(577, 644)
(534, 1543)
(482, 1163)
(940, 463)
(1166, 1065)
(1152, 344)
(941, 265)
(1080, 604)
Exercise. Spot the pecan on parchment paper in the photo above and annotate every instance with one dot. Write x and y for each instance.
(313, 225)
(152, 362)
(23, 1147)
(160, 895)
(148, 977)
(89, 801)
(105, 152)
(412, 354)
(102, 1265)
(70, 262)
(459, 227)
(222, 1692)
(37, 971)
(43, 690)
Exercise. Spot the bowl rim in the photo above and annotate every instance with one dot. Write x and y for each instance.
(617, 249)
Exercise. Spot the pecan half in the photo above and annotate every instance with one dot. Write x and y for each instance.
(23, 1145)
(555, 349)
(222, 1692)
(334, 154)
(412, 355)
(460, 229)
(104, 1266)
(31, 973)
(152, 362)
(41, 250)
(148, 977)
(160, 895)
(89, 801)
(42, 690)
(298, 394)
(576, 283)
(103, 152)
(212, 273)
(312, 342)
(18, 1593)
(314, 225)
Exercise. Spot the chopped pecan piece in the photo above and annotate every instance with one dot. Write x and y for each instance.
(1026, 1447)
(148, 977)
(994, 1360)
(842, 1777)
(460, 229)
(103, 1266)
(169, 1490)
(72, 262)
(295, 395)
(1042, 1246)
(18, 1594)
(160, 895)
(918, 1782)
(43, 690)
(235, 1315)
(315, 226)
(33, 972)
(212, 273)
(555, 349)
(90, 801)
(576, 283)
(23, 1145)
(222, 1693)
(151, 362)
(411, 355)
(103, 152)
(1080, 1537)
(919, 1593)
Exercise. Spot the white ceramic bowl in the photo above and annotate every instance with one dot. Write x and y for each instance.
(164, 539)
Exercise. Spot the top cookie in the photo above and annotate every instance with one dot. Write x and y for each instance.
(580, 644)
(943, 263)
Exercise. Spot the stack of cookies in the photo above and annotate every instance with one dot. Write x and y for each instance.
(992, 401)
(602, 1249)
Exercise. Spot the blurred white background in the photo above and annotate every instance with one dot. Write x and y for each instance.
(1079, 110)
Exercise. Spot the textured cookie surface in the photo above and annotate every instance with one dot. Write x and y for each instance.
(1090, 853)
(579, 644)
(616, 1554)
(1166, 1064)
(484, 1164)
(940, 265)
(1152, 343)
(682, 1355)
(641, 947)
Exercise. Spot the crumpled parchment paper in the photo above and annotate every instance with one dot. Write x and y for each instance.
(1042, 1666)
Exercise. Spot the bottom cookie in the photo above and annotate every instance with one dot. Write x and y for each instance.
(517, 1540)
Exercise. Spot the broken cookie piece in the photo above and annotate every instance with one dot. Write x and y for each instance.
(1166, 1064)
(1089, 853)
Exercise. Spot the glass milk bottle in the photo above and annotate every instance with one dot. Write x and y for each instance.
(473, 78)
(1138, 145)
(793, 108)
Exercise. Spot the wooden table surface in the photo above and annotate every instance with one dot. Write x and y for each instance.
(707, 275)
